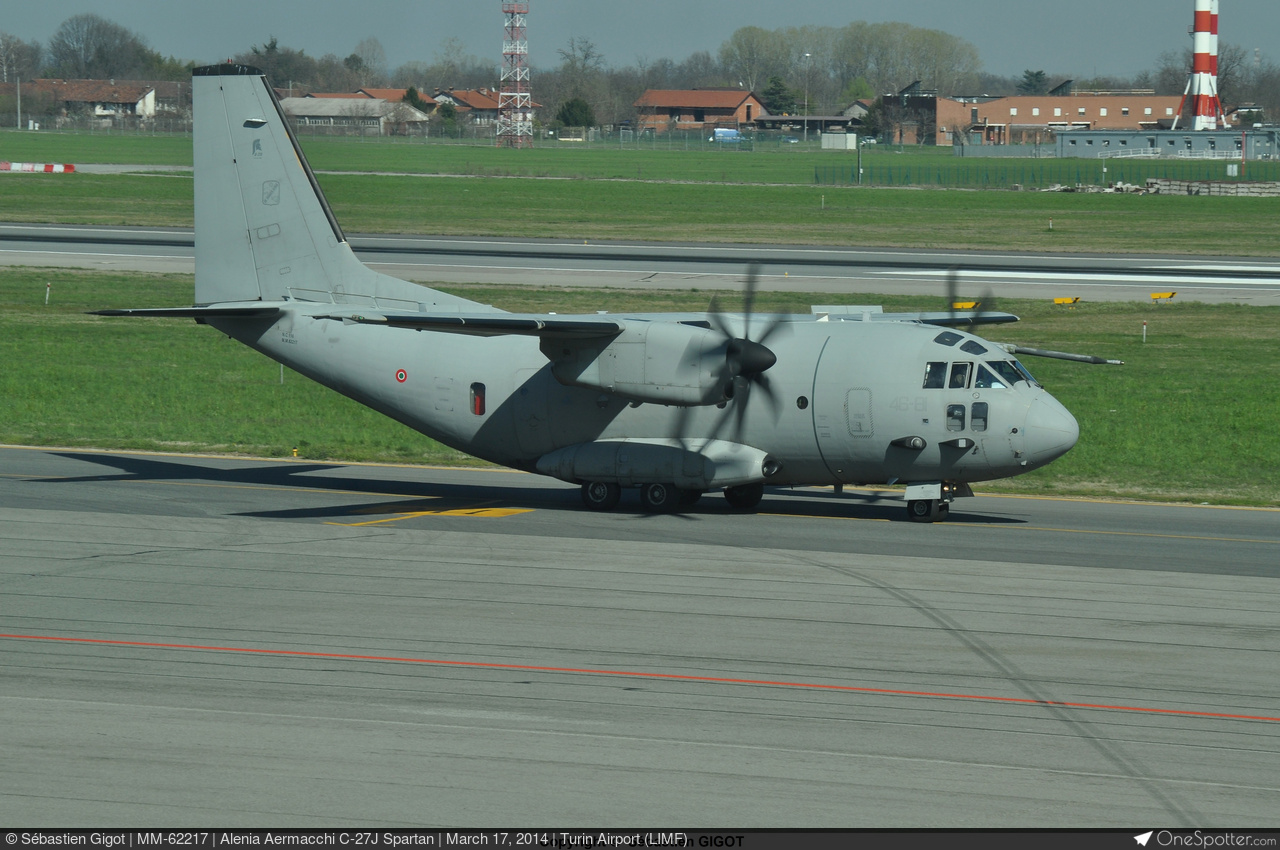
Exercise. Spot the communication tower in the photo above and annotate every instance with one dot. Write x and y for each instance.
(1202, 82)
(515, 101)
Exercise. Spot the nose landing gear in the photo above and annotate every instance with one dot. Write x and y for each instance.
(927, 510)
(930, 501)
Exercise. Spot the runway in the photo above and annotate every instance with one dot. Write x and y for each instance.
(215, 642)
(839, 271)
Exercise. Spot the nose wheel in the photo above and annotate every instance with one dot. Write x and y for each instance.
(927, 510)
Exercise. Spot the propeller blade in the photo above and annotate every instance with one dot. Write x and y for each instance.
(716, 317)
(680, 425)
(986, 306)
(776, 323)
(771, 395)
(749, 297)
(953, 291)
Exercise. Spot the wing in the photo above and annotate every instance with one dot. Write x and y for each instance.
(490, 324)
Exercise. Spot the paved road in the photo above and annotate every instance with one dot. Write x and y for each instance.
(193, 641)
(839, 271)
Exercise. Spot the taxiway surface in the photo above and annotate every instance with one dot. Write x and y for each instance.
(197, 641)
(662, 266)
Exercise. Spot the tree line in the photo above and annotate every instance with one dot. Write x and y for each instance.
(815, 69)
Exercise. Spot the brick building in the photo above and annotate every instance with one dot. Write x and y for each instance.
(662, 110)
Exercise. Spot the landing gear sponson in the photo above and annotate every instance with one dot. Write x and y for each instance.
(930, 501)
(665, 498)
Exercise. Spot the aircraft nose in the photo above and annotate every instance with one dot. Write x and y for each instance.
(1051, 430)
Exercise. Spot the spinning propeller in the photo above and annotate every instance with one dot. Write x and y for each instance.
(984, 306)
(745, 362)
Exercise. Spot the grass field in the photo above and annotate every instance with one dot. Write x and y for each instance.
(671, 160)
(747, 213)
(1190, 417)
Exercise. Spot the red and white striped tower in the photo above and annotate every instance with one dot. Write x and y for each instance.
(1202, 83)
(515, 99)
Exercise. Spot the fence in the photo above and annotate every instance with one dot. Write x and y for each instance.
(1038, 174)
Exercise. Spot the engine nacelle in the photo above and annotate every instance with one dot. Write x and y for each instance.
(661, 362)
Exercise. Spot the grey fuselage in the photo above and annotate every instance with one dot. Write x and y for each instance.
(844, 392)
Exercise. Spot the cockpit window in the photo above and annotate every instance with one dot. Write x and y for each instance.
(935, 376)
(947, 338)
(988, 381)
(1023, 371)
(959, 376)
(972, 347)
(1009, 374)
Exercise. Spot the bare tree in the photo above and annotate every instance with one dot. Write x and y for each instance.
(753, 55)
(89, 46)
(18, 59)
(581, 64)
(369, 62)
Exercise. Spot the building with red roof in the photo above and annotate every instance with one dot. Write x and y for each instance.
(661, 110)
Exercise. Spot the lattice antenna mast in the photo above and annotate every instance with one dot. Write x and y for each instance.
(515, 100)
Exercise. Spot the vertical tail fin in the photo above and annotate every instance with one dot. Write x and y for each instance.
(263, 228)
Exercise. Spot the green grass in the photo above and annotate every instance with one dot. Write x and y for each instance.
(677, 159)
(743, 213)
(79, 148)
(1190, 417)
(164, 385)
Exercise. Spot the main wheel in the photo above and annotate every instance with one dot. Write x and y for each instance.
(659, 498)
(601, 495)
(744, 497)
(923, 510)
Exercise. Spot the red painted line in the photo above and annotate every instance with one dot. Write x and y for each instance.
(680, 677)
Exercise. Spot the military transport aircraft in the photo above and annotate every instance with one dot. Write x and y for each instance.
(671, 404)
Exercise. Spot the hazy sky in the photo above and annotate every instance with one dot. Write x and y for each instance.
(1081, 39)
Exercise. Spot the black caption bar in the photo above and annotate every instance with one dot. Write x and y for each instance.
(652, 839)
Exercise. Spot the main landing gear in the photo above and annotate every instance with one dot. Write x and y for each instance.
(664, 498)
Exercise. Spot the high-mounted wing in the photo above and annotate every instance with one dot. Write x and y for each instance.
(490, 324)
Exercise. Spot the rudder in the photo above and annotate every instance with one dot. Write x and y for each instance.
(263, 228)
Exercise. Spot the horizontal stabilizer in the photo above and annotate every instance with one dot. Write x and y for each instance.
(490, 324)
(246, 311)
